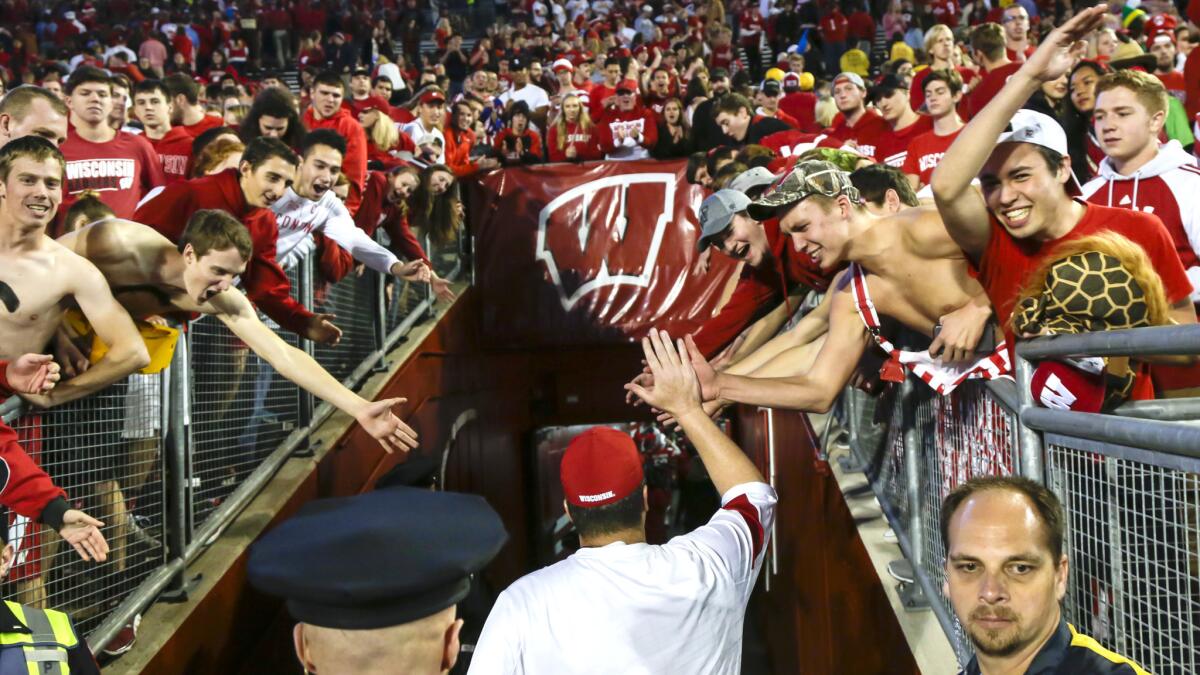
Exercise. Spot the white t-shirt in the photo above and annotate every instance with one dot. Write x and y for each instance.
(637, 609)
(532, 94)
(299, 218)
(420, 135)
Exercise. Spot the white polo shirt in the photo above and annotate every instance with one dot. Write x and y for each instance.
(636, 608)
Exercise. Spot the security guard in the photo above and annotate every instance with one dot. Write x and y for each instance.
(38, 641)
(374, 579)
(1006, 575)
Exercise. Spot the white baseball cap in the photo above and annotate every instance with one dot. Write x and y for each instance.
(1030, 126)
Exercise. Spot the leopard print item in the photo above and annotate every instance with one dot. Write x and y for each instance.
(1086, 293)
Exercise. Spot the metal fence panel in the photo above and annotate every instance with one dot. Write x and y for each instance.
(352, 302)
(105, 451)
(1133, 542)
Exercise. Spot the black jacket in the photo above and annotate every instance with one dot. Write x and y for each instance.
(1069, 652)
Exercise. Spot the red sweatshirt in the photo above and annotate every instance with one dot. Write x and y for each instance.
(24, 487)
(265, 282)
(354, 164)
(586, 144)
(640, 120)
(376, 210)
(759, 290)
(175, 152)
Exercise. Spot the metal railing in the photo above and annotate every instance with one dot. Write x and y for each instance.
(168, 460)
(1129, 481)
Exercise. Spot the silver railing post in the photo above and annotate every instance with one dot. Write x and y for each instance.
(177, 469)
(305, 293)
(429, 287)
(912, 471)
(1029, 441)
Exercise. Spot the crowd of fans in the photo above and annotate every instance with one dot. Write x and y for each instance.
(808, 124)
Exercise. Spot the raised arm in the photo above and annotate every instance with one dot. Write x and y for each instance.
(962, 209)
(376, 417)
(113, 326)
(342, 230)
(812, 326)
(677, 391)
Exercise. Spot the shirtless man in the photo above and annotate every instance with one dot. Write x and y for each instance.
(38, 278)
(908, 267)
(151, 276)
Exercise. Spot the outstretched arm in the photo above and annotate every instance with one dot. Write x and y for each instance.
(963, 211)
(376, 417)
(812, 326)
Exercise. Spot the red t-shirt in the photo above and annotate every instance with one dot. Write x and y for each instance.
(861, 26)
(834, 26)
(1012, 55)
(1191, 77)
(892, 147)
(121, 170)
(1007, 262)
(990, 85)
(866, 133)
(926, 152)
(175, 152)
(359, 106)
(1174, 82)
(207, 122)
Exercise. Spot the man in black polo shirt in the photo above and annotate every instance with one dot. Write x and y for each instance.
(1006, 575)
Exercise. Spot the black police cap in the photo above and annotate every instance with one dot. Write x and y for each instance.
(378, 559)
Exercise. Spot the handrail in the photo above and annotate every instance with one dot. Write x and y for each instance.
(1166, 437)
(1150, 341)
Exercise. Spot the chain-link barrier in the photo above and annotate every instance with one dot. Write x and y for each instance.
(205, 434)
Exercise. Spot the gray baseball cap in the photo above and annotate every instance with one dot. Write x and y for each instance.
(716, 213)
(808, 178)
(752, 178)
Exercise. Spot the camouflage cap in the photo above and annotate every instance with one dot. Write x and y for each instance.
(808, 178)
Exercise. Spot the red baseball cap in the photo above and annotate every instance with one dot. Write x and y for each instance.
(627, 85)
(1058, 385)
(601, 466)
(433, 96)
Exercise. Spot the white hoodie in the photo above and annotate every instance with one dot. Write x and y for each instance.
(1168, 186)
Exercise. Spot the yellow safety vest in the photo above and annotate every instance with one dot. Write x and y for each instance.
(46, 644)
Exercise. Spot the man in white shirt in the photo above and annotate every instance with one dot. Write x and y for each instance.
(620, 605)
(310, 206)
(426, 130)
(523, 90)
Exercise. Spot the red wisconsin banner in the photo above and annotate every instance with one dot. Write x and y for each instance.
(583, 254)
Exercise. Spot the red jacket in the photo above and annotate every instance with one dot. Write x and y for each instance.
(354, 164)
(376, 210)
(175, 152)
(265, 282)
(24, 487)
(759, 290)
(458, 151)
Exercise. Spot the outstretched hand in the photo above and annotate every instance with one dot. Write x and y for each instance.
(321, 330)
(383, 425)
(1065, 45)
(706, 373)
(33, 374)
(676, 389)
(82, 532)
(441, 289)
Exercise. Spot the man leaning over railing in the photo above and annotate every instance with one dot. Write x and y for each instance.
(903, 265)
(153, 276)
(1006, 576)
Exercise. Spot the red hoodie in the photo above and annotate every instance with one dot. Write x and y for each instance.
(640, 120)
(265, 282)
(175, 151)
(24, 487)
(377, 210)
(354, 164)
